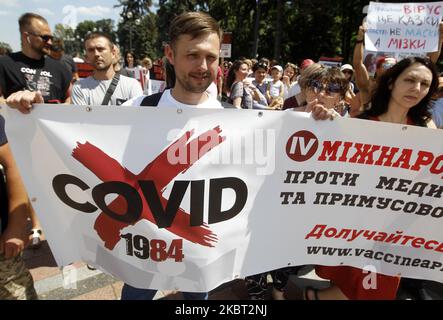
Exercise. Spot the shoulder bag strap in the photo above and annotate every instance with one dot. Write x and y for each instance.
(111, 90)
(152, 100)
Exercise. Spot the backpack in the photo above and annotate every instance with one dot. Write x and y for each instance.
(152, 100)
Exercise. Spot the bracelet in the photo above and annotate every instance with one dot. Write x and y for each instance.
(359, 41)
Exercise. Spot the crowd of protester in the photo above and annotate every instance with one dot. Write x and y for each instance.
(346, 91)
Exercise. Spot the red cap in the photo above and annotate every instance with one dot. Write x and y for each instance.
(306, 63)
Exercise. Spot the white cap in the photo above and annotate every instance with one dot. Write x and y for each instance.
(346, 67)
(279, 68)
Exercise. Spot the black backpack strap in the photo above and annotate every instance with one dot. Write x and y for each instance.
(152, 100)
(111, 89)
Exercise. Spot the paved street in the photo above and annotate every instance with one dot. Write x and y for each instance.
(95, 285)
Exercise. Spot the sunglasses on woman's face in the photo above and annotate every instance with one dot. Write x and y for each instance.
(329, 88)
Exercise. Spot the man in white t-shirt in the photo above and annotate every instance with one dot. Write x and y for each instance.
(101, 54)
(193, 50)
(194, 55)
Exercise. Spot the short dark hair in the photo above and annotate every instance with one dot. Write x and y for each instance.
(194, 24)
(24, 22)
(420, 113)
(169, 74)
(260, 65)
(98, 34)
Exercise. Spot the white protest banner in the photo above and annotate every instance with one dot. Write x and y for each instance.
(188, 199)
(403, 27)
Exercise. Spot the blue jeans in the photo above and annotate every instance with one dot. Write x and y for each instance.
(131, 293)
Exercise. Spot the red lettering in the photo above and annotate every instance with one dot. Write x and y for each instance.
(403, 160)
(387, 154)
(329, 150)
(437, 166)
(394, 43)
(364, 153)
(424, 158)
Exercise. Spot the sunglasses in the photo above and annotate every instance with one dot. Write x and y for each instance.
(44, 37)
(329, 88)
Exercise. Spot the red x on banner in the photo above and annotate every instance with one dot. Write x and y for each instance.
(162, 172)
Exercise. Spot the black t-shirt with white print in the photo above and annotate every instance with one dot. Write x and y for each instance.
(49, 76)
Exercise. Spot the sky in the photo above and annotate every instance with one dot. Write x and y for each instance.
(55, 11)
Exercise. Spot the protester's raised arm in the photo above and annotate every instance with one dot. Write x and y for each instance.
(361, 73)
(435, 55)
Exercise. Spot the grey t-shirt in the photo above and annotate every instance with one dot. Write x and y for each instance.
(89, 91)
(437, 113)
(238, 90)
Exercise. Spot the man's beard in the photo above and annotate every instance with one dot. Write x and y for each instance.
(188, 86)
(102, 67)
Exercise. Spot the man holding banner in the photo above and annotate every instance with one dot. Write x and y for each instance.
(194, 52)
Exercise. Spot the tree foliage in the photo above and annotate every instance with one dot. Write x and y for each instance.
(285, 30)
(73, 39)
(137, 30)
(5, 47)
(67, 34)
